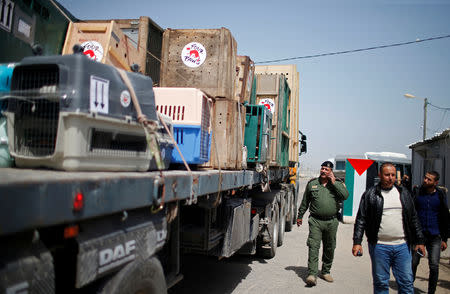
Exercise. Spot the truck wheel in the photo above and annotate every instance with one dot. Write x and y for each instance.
(289, 219)
(268, 250)
(141, 277)
(281, 227)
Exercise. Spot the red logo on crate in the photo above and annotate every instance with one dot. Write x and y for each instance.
(93, 50)
(268, 103)
(193, 54)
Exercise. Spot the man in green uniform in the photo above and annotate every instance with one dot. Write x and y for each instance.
(322, 196)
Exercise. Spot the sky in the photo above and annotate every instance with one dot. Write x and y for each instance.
(349, 103)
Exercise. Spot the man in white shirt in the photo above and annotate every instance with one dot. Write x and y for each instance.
(388, 217)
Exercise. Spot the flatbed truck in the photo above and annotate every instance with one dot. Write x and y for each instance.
(124, 232)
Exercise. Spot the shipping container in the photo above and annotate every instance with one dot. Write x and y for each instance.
(273, 91)
(258, 126)
(102, 42)
(146, 36)
(190, 110)
(200, 58)
(227, 143)
(292, 78)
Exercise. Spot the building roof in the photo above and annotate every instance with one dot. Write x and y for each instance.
(443, 135)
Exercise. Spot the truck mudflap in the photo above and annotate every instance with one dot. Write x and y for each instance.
(27, 270)
(238, 226)
(106, 253)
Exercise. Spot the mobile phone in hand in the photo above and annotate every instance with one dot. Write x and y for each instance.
(359, 253)
(419, 252)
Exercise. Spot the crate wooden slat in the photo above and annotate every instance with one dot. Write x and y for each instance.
(245, 71)
(227, 135)
(208, 63)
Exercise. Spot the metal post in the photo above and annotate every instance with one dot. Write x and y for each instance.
(425, 102)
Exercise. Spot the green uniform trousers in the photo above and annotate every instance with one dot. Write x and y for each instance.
(321, 231)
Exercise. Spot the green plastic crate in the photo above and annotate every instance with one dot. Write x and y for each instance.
(258, 125)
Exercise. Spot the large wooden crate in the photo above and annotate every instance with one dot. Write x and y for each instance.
(146, 36)
(245, 71)
(292, 78)
(103, 42)
(200, 58)
(228, 127)
(273, 91)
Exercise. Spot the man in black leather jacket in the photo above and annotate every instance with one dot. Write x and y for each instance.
(388, 217)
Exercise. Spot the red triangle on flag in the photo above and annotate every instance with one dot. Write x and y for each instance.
(360, 165)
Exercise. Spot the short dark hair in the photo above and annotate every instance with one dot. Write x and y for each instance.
(384, 164)
(435, 174)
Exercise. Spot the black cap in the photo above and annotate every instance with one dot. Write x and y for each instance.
(328, 164)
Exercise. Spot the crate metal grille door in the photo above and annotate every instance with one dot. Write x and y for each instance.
(204, 133)
(36, 109)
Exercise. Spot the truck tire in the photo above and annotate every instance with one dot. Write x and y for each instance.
(269, 250)
(143, 277)
(281, 225)
(290, 216)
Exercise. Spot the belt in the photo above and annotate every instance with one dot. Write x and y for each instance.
(323, 218)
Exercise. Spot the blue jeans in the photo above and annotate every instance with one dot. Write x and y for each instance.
(433, 245)
(399, 258)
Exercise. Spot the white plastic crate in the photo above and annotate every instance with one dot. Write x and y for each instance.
(190, 111)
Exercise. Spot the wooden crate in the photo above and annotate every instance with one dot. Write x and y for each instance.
(103, 42)
(227, 135)
(292, 78)
(245, 71)
(200, 58)
(146, 37)
(273, 91)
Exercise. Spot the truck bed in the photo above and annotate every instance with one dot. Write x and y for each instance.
(32, 198)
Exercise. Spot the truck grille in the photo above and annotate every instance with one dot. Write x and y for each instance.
(35, 105)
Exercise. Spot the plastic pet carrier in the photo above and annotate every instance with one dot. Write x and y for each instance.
(189, 109)
(6, 71)
(69, 112)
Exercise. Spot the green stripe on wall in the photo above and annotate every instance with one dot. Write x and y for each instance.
(349, 182)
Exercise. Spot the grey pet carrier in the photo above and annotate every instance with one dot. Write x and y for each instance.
(71, 113)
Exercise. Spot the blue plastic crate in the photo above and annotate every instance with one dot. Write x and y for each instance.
(6, 71)
(194, 143)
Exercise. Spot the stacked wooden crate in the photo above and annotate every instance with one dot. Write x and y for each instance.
(206, 59)
(136, 41)
(292, 78)
(245, 71)
(273, 91)
(102, 42)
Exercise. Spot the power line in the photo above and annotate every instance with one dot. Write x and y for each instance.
(356, 50)
(442, 108)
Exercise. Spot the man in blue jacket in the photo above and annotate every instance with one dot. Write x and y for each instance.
(432, 210)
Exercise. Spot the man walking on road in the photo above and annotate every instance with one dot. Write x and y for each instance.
(432, 210)
(388, 217)
(322, 196)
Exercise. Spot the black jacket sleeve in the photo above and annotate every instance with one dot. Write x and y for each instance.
(360, 222)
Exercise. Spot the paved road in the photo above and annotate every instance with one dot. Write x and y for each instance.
(287, 271)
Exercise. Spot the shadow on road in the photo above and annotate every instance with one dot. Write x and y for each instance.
(207, 274)
(301, 271)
